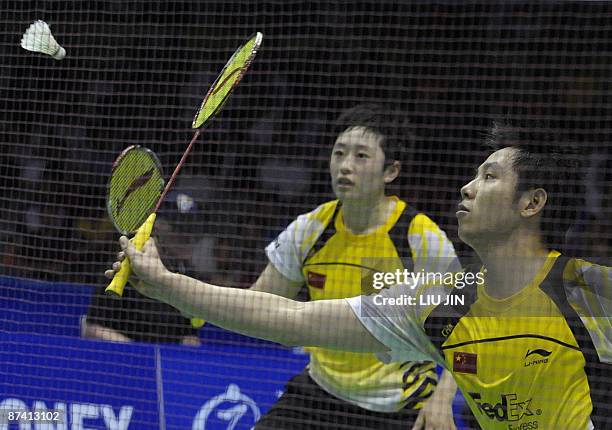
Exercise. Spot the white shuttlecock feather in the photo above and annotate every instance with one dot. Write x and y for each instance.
(38, 38)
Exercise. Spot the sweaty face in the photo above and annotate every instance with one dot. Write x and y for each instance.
(489, 211)
(357, 165)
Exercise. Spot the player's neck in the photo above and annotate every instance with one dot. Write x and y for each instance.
(512, 264)
(361, 216)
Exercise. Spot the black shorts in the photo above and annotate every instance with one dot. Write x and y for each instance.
(305, 405)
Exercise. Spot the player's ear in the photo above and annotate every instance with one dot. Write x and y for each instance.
(392, 171)
(533, 201)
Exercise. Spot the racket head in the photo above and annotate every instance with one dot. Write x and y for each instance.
(230, 76)
(134, 188)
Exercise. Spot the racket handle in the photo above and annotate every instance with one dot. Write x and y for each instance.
(117, 285)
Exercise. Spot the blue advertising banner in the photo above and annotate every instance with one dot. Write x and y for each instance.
(95, 385)
(30, 306)
(227, 383)
(224, 386)
(114, 386)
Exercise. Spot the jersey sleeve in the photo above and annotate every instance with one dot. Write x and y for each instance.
(392, 318)
(432, 251)
(589, 290)
(288, 251)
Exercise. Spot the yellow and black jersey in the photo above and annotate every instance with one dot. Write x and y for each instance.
(333, 262)
(539, 359)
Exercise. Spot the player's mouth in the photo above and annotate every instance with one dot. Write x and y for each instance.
(462, 210)
(344, 183)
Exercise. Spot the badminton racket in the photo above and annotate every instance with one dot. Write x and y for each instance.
(123, 192)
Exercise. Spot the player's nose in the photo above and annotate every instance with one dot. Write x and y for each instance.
(346, 165)
(468, 191)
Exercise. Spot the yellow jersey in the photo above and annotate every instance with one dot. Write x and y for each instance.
(333, 262)
(539, 359)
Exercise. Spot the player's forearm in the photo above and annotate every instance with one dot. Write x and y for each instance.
(324, 323)
(238, 310)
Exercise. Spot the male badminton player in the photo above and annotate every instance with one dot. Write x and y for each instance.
(530, 348)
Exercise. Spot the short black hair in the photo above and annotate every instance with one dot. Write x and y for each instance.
(388, 122)
(547, 157)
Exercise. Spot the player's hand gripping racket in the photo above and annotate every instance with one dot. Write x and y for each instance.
(131, 198)
(136, 185)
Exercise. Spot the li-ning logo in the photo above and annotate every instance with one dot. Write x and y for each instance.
(543, 357)
(509, 409)
(136, 185)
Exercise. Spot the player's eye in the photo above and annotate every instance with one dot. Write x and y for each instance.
(362, 155)
(489, 176)
(338, 153)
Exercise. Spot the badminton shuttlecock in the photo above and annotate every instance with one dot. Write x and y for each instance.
(38, 38)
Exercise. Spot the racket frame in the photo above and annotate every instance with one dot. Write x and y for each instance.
(116, 288)
(258, 38)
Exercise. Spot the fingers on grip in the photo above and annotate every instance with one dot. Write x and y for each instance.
(121, 277)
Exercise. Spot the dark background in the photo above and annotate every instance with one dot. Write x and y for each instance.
(135, 72)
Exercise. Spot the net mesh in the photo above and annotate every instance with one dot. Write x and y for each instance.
(136, 71)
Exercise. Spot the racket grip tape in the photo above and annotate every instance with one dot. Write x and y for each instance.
(121, 277)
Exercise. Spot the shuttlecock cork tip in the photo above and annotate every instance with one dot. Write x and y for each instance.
(61, 53)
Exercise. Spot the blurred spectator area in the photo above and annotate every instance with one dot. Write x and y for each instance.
(135, 73)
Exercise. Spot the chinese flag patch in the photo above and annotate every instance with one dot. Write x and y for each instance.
(464, 362)
(316, 280)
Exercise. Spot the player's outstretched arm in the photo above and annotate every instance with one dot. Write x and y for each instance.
(324, 323)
